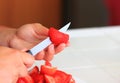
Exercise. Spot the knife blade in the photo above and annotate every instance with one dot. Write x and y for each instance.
(42, 45)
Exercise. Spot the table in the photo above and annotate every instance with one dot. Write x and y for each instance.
(93, 56)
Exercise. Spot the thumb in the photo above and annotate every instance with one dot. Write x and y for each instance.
(28, 59)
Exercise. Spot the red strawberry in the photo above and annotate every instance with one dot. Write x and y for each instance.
(46, 74)
(57, 37)
(38, 78)
(72, 81)
(47, 63)
(62, 77)
(34, 71)
(26, 79)
(49, 79)
(47, 70)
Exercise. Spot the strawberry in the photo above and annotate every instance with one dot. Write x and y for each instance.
(34, 71)
(49, 79)
(57, 37)
(47, 63)
(47, 70)
(71, 80)
(27, 79)
(38, 78)
(62, 77)
(46, 74)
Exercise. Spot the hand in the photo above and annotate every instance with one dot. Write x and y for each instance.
(13, 64)
(28, 36)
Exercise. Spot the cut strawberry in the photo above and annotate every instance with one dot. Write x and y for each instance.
(47, 63)
(57, 37)
(34, 71)
(38, 78)
(26, 79)
(49, 79)
(71, 81)
(62, 77)
(21, 80)
(47, 74)
(47, 70)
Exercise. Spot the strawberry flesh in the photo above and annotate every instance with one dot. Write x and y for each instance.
(57, 37)
(46, 74)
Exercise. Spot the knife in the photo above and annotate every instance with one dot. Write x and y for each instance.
(42, 45)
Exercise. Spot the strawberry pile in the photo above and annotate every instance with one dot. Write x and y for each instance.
(46, 74)
(57, 37)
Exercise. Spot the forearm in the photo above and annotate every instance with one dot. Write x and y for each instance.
(6, 34)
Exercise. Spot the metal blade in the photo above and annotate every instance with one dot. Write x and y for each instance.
(42, 45)
(65, 28)
(39, 47)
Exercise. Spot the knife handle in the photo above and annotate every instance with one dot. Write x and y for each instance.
(29, 52)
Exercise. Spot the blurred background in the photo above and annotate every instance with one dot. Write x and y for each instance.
(82, 13)
(96, 51)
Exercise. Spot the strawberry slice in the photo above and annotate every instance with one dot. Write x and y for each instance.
(47, 70)
(34, 71)
(72, 81)
(62, 77)
(46, 74)
(49, 79)
(26, 79)
(47, 63)
(38, 78)
(57, 37)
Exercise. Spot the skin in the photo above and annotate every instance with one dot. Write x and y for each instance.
(13, 64)
(14, 61)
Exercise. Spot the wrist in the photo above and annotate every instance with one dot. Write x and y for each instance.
(6, 34)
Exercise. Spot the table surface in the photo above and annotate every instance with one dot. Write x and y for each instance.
(93, 56)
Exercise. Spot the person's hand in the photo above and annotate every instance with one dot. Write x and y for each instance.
(13, 64)
(28, 36)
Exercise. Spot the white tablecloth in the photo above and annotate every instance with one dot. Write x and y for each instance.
(93, 56)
